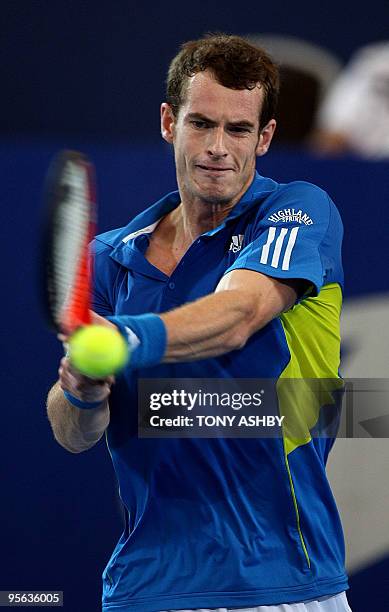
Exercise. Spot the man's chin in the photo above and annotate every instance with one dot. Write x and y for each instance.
(210, 192)
(215, 199)
(214, 195)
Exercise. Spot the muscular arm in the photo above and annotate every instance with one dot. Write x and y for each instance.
(244, 302)
(77, 429)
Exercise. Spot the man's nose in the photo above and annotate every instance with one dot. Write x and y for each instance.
(216, 143)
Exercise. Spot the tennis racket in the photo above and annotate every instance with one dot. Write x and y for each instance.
(70, 201)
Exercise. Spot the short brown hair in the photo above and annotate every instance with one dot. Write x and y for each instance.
(235, 63)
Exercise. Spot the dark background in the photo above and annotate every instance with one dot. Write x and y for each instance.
(99, 67)
(90, 76)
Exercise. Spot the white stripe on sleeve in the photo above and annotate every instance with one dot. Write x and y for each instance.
(278, 247)
(266, 247)
(289, 248)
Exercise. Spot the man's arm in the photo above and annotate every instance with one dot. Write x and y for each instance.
(78, 429)
(244, 302)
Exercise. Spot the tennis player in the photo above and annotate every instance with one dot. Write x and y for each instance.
(232, 276)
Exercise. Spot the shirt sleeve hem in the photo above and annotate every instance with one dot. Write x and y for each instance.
(281, 274)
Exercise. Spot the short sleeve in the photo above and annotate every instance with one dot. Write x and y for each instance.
(297, 235)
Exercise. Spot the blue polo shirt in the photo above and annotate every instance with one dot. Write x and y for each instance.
(229, 522)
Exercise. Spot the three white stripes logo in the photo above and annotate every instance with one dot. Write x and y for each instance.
(276, 251)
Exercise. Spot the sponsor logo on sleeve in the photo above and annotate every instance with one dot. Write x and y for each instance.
(288, 215)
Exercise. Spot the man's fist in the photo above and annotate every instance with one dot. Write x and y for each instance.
(80, 386)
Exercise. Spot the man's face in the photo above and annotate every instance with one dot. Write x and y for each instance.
(216, 139)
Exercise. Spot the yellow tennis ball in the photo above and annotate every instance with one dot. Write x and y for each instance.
(97, 351)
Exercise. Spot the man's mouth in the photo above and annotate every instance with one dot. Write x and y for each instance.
(212, 168)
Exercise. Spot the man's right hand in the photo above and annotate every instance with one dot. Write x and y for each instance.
(80, 386)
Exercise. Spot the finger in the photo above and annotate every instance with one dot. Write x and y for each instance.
(87, 389)
(67, 364)
(63, 366)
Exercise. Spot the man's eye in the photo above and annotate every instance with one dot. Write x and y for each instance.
(199, 124)
(236, 129)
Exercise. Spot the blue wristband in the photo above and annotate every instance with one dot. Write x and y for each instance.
(146, 336)
(79, 403)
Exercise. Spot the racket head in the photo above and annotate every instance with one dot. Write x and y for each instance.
(70, 222)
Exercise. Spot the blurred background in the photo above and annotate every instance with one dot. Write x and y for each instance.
(91, 76)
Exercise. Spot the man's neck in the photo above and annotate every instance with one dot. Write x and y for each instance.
(192, 220)
(194, 216)
(176, 231)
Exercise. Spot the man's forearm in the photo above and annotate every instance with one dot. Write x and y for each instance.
(244, 302)
(213, 325)
(223, 321)
(75, 429)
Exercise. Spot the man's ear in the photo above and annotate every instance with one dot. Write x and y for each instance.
(265, 137)
(167, 122)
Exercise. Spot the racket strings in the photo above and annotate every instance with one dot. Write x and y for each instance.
(72, 231)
